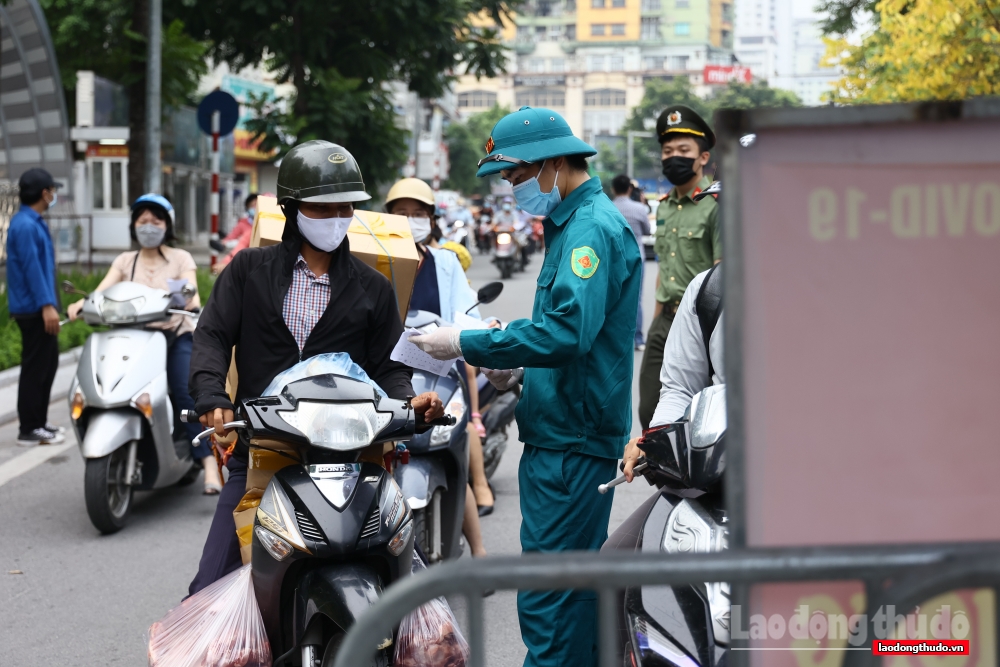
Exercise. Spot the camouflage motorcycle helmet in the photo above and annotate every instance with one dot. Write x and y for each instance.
(320, 172)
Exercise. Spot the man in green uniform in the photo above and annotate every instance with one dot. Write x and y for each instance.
(687, 235)
(575, 358)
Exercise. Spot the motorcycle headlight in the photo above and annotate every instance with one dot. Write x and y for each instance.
(339, 426)
(275, 514)
(274, 545)
(399, 540)
(503, 239)
(649, 642)
(121, 311)
(456, 408)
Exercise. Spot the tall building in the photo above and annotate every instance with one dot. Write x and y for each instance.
(781, 42)
(589, 59)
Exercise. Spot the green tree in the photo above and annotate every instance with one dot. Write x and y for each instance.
(466, 146)
(752, 96)
(842, 16)
(109, 38)
(340, 55)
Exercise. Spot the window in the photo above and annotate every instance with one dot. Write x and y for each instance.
(477, 99)
(679, 62)
(597, 30)
(682, 29)
(597, 4)
(652, 63)
(524, 33)
(558, 64)
(605, 97)
(571, 32)
(555, 32)
(617, 3)
(650, 28)
(682, 4)
(97, 184)
(544, 7)
(617, 28)
(116, 185)
(617, 63)
(542, 97)
(536, 65)
(650, 5)
(595, 63)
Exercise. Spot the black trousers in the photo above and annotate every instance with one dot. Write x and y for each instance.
(39, 362)
(221, 554)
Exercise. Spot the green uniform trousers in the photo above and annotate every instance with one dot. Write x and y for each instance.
(561, 510)
(652, 362)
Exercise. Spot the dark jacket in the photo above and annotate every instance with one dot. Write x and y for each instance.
(245, 310)
(31, 269)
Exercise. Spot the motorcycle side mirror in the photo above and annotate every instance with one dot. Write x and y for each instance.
(489, 292)
(70, 288)
(189, 290)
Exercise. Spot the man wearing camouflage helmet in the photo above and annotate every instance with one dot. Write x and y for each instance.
(287, 302)
(574, 357)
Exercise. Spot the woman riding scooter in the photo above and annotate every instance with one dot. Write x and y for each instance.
(442, 288)
(154, 265)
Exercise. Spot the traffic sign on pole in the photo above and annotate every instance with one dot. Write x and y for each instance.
(218, 114)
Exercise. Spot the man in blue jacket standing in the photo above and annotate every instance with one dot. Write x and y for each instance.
(34, 304)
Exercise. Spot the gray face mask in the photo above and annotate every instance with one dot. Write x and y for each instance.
(149, 235)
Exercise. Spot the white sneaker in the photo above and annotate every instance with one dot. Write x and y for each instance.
(55, 429)
(40, 436)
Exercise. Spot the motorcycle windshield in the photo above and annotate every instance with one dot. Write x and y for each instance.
(333, 363)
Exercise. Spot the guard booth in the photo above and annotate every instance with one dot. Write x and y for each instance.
(107, 185)
(862, 299)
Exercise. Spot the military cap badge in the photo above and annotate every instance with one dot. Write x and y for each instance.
(674, 118)
(489, 145)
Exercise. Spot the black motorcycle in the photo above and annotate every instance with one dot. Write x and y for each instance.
(497, 408)
(682, 625)
(330, 533)
(436, 473)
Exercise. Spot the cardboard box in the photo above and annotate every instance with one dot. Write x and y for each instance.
(269, 223)
(384, 242)
(266, 458)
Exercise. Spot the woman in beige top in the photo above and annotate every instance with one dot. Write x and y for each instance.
(154, 265)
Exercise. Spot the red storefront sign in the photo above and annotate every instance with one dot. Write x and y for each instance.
(721, 74)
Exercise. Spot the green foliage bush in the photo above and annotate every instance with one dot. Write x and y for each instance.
(72, 334)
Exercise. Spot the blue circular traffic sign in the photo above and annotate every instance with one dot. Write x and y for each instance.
(226, 105)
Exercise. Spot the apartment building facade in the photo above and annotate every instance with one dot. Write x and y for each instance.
(590, 59)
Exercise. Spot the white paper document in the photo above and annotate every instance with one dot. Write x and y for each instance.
(411, 355)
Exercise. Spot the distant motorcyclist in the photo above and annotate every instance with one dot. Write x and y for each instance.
(287, 302)
(506, 218)
(155, 264)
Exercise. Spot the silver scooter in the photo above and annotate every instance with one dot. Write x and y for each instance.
(121, 413)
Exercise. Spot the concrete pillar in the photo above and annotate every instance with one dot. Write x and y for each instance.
(574, 104)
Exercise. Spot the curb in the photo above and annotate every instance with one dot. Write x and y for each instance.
(12, 375)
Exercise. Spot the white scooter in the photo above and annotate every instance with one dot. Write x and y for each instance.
(122, 415)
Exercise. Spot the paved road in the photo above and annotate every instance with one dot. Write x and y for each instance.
(87, 599)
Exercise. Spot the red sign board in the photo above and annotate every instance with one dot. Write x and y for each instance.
(722, 74)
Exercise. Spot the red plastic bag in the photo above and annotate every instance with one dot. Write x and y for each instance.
(219, 626)
(429, 635)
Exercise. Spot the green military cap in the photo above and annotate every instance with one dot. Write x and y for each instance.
(527, 136)
(680, 120)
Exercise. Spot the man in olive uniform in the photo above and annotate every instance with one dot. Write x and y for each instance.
(576, 352)
(687, 235)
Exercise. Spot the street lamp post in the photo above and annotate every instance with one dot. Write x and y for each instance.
(153, 75)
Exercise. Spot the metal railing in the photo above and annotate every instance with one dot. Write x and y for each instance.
(904, 576)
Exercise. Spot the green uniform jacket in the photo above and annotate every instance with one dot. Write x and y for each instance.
(688, 240)
(577, 347)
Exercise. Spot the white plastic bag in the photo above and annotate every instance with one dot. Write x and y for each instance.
(321, 364)
(219, 626)
(429, 635)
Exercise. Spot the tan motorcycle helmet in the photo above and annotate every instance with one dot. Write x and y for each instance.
(410, 188)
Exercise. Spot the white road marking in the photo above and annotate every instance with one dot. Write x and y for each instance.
(35, 456)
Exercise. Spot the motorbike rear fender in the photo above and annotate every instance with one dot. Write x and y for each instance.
(107, 430)
(340, 592)
(419, 478)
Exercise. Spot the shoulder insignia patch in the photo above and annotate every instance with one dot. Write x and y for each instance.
(585, 262)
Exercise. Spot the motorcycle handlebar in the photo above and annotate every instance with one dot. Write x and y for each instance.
(447, 420)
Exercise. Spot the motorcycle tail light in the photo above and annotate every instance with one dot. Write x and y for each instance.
(76, 409)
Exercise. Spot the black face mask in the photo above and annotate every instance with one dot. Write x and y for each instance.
(679, 170)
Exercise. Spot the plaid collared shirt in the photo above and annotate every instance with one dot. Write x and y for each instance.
(305, 302)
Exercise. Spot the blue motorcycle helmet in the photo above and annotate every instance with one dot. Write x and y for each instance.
(159, 206)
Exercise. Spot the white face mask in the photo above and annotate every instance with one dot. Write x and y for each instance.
(420, 228)
(324, 234)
